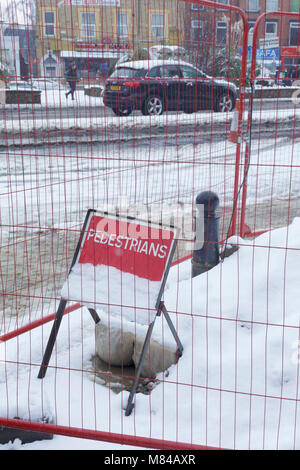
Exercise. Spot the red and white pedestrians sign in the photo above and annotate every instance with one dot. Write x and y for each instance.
(121, 264)
(120, 267)
(130, 246)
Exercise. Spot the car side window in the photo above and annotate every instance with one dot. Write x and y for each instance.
(154, 72)
(189, 72)
(171, 71)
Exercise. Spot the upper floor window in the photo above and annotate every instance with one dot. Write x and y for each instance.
(271, 5)
(294, 33)
(197, 30)
(88, 25)
(122, 25)
(271, 28)
(157, 25)
(251, 24)
(295, 6)
(197, 6)
(49, 23)
(221, 32)
(252, 5)
(226, 2)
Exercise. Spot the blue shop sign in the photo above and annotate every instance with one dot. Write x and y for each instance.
(267, 55)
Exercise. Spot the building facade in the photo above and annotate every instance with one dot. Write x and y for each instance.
(286, 29)
(279, 37)
(96, 33)
(18, 51)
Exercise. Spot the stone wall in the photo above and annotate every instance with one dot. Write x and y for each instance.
(274, 92)
(22, 96)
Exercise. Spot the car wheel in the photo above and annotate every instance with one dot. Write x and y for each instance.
(153, 106)
(122, 111)
(224, 103)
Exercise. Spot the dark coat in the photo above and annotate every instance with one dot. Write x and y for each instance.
(71, 75)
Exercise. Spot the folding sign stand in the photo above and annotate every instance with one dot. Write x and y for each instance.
(159, 307)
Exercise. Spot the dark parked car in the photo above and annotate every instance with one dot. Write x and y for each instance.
(155, 86)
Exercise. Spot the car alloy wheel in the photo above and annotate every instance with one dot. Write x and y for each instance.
(225, 103)
(154, 106)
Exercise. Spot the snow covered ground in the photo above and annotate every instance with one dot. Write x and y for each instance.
(46, 192)
(82, 122)
(56, 99)
(236, 385)
(57, 185)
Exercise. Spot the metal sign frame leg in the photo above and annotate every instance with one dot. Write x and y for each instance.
(161, 309)
(53, 335)
(173, 330)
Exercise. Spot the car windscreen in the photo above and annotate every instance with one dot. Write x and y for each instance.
(126, 72)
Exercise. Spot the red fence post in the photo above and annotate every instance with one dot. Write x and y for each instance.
(244, 229)
(236, 191)
(122, 438)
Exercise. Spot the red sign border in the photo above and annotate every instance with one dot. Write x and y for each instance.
(124, 218)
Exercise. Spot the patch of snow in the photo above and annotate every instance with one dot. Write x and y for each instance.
(236, 385)
(114, 289)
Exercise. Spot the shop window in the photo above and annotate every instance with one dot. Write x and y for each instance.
(50, 65)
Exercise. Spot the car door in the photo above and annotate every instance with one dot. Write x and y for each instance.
(154, 82)
(171, 74)
(190, 89)
(197, 89)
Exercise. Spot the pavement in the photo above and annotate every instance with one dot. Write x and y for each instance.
(58, 120)
(93, 107)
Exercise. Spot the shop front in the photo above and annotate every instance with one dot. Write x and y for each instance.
(92, 63)
(290, 63)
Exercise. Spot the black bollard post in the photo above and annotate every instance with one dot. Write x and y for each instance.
(207, 256)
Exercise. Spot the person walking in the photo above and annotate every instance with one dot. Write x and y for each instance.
(72, 79)
(105, 69)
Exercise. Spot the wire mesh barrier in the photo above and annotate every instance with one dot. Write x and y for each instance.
(120, 322)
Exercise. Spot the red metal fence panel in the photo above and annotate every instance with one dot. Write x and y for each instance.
(137, 108)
